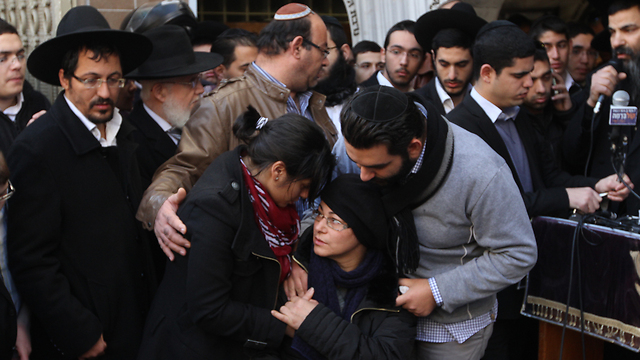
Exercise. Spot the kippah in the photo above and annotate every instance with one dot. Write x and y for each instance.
(292, 11)
(379, 104)
(494, 25)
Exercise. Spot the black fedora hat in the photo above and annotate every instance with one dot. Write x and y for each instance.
(173, 55)
(461, 16)
(85, 24)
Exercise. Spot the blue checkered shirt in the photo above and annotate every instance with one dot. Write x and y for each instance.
(292, 107)
(435, 332)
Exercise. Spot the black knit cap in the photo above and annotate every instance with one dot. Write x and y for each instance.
(359, 204)
(380, 104)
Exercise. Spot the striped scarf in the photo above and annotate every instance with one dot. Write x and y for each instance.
(280, 226)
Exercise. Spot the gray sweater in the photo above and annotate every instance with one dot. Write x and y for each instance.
(475, 235)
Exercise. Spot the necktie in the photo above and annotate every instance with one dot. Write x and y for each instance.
(507, 129)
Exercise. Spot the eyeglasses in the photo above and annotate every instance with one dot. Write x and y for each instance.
(193, 83)
(91, 83)
(10, 191)
(6, 60)
(323, 51)
(332, 223)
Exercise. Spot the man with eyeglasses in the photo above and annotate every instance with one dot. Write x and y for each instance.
(582, 59)
(292, 53)
(402, 57)
(79, 259)
(19, 102)
(171, 89)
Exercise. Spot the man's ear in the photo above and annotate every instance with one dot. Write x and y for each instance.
(346, 52)
(295, 45)
(159, 92)
(487, 73)
(219, 71)
(383, 53)
(64, 82)
(414, 149)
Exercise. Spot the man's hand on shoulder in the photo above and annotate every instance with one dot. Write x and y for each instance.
(419, 299)
(169, 228)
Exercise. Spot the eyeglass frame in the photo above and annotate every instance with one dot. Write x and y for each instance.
(325, 52)
(317, 215)
(119, 82)
(20, 56)
(10, 191)
(193, 83)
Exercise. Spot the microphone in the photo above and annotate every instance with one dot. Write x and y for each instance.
(620, 115)
(617, 64)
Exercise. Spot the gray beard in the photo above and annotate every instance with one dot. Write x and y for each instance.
(176, 116)
(632, 68)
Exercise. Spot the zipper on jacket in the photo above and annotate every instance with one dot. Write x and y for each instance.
(299, 263)
(373, 309)
(275, 302)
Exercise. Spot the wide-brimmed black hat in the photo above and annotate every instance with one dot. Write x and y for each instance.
(82, 25)
(173, 55)
(461, 16)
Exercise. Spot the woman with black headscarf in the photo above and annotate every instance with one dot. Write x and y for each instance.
(349, 310)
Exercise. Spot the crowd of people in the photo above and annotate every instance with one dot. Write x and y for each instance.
(200, 192)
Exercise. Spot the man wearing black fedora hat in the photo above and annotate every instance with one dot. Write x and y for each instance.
(449, 35)
(80, 260)
(292, 53)
(171, 89)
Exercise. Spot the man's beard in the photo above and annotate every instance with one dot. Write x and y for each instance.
(632, 68)
(340, 84)
(400, 176)
(176, 115)
(101, 120)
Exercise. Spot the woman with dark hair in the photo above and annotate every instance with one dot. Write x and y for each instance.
(242, 223)
(349, 310)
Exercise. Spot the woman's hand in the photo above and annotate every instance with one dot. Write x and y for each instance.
(296, 283)
(296, 310)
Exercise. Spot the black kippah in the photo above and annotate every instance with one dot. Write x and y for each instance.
(494, 25)
(379, 104)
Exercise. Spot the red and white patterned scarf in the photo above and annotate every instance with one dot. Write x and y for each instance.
(280, 226)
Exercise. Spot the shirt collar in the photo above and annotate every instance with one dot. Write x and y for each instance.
(447, 103)
(383, 80)
(112, 126)
(568, 81)
(418, 164)
(491, 110)
(13, 110)
(164, 125)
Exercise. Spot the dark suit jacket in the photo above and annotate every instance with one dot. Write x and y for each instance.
(154, 145)
(76, 252)
(549, 196)
(371, 81)
(577, 143)
(9, 130)
(430, 94)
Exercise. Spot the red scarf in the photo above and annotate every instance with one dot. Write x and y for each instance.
(280, 226)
